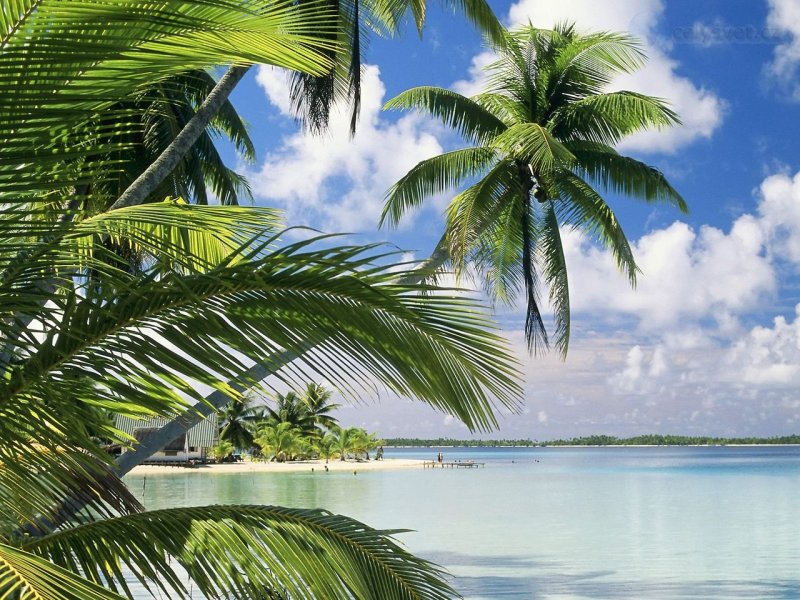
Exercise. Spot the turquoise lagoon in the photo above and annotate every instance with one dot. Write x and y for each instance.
(557, 523)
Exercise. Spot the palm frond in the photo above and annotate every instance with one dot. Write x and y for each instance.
(470, 212)
(624, 175)
(535, 145)
(610, 117)
(433, 176)
(25, 576)
(551, 255)
(467, 117)
(246, 552)
(583, 208)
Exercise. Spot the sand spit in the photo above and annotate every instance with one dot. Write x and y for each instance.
(386, 464)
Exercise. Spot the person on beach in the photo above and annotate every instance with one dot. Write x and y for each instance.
(440, 458)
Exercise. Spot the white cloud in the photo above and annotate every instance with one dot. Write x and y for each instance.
(768, 355)
(780, 214)
(686, 274)
(784, 18)
(701, 111)
(334, 182)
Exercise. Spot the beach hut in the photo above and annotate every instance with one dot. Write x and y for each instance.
(191, 446)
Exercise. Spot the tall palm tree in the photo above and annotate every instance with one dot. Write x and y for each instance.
(290, 408)
(542, 137)
(316, 399)
(239, 420)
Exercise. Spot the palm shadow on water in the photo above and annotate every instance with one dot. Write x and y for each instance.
(593, 584)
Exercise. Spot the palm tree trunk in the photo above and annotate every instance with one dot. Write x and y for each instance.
(144, 185)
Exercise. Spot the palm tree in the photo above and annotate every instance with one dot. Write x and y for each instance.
(222, 450)
(290, 408)
(326, 446)
(340, 442)
(215, 288)
(239, 421)
(316, 399)
(542, 137)
(279, 441)
(362, 442)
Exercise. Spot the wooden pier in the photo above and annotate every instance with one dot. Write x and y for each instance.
(455, 464)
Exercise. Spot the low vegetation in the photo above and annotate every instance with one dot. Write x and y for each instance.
(298, 426)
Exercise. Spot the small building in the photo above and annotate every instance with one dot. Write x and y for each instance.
(192, 445)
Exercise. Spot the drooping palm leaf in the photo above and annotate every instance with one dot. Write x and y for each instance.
(25, 576)
(246, 552)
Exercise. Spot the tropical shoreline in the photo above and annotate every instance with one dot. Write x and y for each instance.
(316, 466)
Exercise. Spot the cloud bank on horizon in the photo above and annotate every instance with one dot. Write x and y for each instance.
(709, 342)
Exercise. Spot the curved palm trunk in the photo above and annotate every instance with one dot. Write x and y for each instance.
(144, 185)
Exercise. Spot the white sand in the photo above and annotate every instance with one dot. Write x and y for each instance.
(286, 467)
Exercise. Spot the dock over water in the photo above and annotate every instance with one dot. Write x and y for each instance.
(455, 464)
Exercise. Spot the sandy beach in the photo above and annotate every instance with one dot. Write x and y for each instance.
(286, 467)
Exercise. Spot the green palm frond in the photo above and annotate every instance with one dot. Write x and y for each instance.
(471, 210)
(472, 121)
(433, 176)
(71, 106)
(587, 63)
(535, 145)
(246, 552)
(625, 175)
(551, 256)
(583, 208)
(25, 576)
(608, 118)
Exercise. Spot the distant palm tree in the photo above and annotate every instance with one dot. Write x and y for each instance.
(239, 421)
(279, 441)
(290, 408)
(343, 441)
(316, 399)
(543, 134)
(326, 447)
(362, 442)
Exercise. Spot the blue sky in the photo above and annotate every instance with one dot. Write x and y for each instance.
(709, 343)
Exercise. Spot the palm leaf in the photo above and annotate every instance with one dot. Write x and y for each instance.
(433, 176)
(608, 118)
(533, 144)
(25, 576)
(467, 117)
(583, 208)
(246, 552)
(624, 175)
(551, 255)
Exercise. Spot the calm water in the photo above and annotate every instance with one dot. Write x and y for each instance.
(561, 523)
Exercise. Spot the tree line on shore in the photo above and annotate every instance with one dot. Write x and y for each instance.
(597, 440)
(298, 427)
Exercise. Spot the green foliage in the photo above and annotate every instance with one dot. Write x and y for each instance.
(543, 134)
(222, 450)
(454, 443)
(150, 301)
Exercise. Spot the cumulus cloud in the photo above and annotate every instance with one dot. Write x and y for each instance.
(784, 18)
(779, 212)
(334, 182)
(768, 355)
(701, 110)
(685, 274)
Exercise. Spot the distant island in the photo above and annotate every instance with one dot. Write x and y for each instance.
(596, 440)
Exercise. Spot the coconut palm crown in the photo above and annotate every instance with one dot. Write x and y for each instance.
(543, 135)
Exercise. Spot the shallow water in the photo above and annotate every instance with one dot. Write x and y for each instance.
(556, 523)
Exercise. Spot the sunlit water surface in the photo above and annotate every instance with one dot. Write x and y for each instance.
(561, 522)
